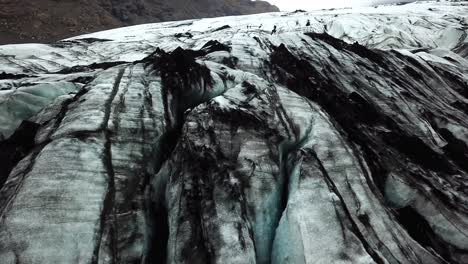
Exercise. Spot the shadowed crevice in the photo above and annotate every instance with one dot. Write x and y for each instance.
(16, 147)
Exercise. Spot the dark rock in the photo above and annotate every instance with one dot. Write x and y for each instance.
(11, 76)
(51, 20)
(183, 35)
(93, 66)
(222, 28)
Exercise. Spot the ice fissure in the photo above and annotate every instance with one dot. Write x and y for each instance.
(221, 142)
(307, 81)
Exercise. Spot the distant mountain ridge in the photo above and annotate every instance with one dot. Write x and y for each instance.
(49, 20)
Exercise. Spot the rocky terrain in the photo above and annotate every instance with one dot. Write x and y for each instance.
(341, 138)
(50, 20)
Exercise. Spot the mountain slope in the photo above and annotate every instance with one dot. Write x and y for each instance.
(215, 141)
(50, 20)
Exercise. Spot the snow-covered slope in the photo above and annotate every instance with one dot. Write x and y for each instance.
(340, 138)
(416, 25)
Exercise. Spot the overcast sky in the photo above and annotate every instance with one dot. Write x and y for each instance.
(291, 5)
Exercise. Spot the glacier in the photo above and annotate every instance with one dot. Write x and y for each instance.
(340, 138)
